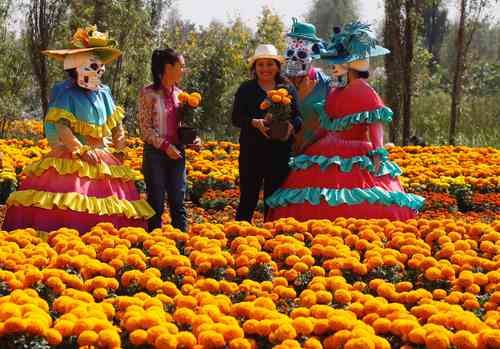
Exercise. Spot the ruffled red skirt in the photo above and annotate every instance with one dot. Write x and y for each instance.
(333, 178)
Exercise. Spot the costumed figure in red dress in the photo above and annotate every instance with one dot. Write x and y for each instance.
(347, 172)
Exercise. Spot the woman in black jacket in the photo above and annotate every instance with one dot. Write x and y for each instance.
(261, 160)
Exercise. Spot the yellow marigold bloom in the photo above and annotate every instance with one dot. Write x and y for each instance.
(312, 343)
(65, 327)
(138, 337)
(88, 338)
(338, 323)
(240, 343)
(185, 302)
(342, 296)
(166, 341)
(437, 340)
(9, 310)
(231, 332)
(184, 316)
(211, 340)
(360, 343)
(464, 340)
(303, 326)
(109, 338)
(186, 340)
(53, 336)
(265, 302)
(82, 325)
(285, 331)
(382, 325)
(250, 326)
(15, 325)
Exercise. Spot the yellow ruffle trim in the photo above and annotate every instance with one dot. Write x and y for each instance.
(109, 206)
(84, 169)
(85, 128)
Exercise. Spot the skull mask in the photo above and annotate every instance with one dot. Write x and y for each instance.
(298, 56)
(90, 74)
(89, 69)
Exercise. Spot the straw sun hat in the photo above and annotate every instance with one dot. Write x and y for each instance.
(87, 40)
(266, 51)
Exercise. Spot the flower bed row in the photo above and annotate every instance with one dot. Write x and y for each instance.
(344, 284)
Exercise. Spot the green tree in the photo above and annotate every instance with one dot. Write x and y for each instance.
(44, 17)
(270, 30)
(471, 14)
(435, 26)
(14, 71)
(216, 61)
(326, 14)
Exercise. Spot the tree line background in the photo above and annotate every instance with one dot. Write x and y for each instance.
(442, 79)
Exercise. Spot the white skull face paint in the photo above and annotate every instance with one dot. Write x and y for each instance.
(298, 56)
(90, 73)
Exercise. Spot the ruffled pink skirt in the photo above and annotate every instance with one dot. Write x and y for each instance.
(111, 192)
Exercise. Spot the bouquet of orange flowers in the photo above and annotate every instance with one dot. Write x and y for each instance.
(278, 106)
(190, 115)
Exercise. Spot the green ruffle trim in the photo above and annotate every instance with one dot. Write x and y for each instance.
(334, 197)
(383, 114)
(387, 167)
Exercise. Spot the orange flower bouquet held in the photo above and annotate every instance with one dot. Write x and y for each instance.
(189, 103)
(278, 106)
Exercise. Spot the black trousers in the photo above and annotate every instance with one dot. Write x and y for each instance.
(268, 167)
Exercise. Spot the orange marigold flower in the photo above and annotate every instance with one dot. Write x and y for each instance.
(166, 341)
(240, 343)
(87, 338)
(360, 343)
(184, 315)
(342, 296)
(211, 339)
(437, 340)
(186, 340)
(15, 325)
(303, 326)
(65, 327)
(464, 340)
(53, 336)
(138, 337)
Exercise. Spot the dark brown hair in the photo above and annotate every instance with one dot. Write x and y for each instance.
(160, 58)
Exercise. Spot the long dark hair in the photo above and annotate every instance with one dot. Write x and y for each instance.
(160, 58)
(280, 78)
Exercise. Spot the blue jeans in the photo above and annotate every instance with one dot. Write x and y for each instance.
(165, 176)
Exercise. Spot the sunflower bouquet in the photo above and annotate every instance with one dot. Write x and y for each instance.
(278, 106)
(189, 103)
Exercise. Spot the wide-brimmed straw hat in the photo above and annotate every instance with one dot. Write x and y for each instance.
(266, 51)
(88, 40)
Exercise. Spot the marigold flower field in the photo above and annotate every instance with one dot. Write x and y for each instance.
(432, 282)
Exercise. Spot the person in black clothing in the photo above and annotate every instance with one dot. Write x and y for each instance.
(261, 160)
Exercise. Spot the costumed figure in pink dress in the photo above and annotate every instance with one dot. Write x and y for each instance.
(80, 183)
(347, 172)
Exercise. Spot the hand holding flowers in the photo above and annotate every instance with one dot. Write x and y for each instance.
(278, 104)
(189, 102)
